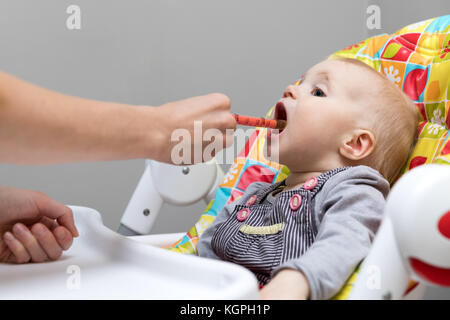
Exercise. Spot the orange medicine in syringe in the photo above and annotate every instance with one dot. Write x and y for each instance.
(259, 122)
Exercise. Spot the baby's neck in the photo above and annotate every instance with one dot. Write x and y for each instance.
(297, 179)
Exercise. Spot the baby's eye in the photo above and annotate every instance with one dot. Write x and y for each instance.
(317, 92)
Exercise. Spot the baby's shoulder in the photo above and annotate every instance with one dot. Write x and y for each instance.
(357, 177)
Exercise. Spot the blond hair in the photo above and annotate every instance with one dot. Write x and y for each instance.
(395, 122)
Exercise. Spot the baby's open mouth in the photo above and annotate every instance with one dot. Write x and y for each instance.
(280, 115)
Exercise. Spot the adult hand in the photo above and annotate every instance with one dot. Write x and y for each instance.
(212, 111)
(33, 227)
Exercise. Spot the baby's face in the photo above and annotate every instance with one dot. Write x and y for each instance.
(319, 113)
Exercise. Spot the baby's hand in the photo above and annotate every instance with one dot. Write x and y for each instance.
(288, 284)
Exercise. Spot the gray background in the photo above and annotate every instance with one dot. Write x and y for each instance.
(151, 52)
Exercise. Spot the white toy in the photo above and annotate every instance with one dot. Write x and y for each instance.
(414, 238)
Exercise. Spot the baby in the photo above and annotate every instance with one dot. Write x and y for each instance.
(349, 132)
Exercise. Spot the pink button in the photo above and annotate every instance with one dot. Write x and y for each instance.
(251, 200)
(310, 183)
(243, 214)
(295, 202)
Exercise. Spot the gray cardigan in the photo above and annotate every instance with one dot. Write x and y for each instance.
(347, 212)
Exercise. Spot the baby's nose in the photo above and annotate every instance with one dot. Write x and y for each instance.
(290, 92)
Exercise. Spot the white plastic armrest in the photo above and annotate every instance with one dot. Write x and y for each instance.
(159, 240)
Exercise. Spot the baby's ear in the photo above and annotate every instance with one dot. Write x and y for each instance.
(358, 145)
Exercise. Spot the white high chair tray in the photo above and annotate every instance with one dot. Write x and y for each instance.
(102, 264)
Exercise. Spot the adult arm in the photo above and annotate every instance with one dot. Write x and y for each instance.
(40, 126)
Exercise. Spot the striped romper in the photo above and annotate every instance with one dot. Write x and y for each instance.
(323, 228)
(260, 235)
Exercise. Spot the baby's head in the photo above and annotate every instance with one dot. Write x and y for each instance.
(345, 113)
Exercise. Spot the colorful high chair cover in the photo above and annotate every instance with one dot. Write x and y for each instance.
(417, 59)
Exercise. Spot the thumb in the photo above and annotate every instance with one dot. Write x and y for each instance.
(55, 210)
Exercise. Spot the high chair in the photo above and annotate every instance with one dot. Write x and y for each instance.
(411, 249)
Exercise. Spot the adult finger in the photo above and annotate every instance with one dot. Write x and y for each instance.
(53, 209)
(51, 224)
(46, 241)
(218, 100)
(23, 234)
(20, 254)
(63, 236)
(209, 101)
(227, 123)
